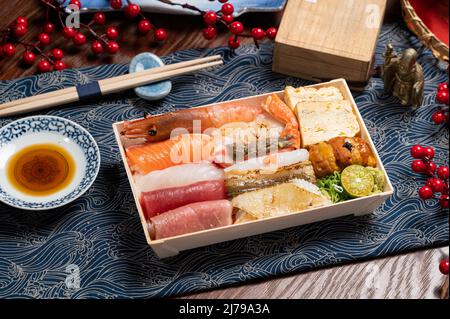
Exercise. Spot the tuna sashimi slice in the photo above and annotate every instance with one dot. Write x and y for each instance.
(163, 200)
(191, 218)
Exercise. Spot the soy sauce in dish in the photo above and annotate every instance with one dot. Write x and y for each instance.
(41, 169)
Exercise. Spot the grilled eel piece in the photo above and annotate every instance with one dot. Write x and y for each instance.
(238, 182)
(338, 153)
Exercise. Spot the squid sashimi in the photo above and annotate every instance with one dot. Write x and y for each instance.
(191, 218)
(185, 148)
(271, 161)
(162, 200)
(176, 176)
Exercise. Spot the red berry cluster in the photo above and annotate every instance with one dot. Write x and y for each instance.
(106, 42)
(438, 177)
(441, 115)
(16, 31)
(102, 42)
(144, 25)
(225, 17)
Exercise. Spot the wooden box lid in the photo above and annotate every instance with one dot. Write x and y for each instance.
(345, 29)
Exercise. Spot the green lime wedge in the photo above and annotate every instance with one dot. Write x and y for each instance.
(378, 178)
(357, 181)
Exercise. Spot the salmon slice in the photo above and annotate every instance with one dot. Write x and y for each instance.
(182, 149)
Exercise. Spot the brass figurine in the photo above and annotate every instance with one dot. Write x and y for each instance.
(403, 76)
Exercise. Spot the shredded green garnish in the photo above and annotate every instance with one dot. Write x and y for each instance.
(332, 188)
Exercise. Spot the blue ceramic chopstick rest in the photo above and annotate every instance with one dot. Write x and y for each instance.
(151, 92)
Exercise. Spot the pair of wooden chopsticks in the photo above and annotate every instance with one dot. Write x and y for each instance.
(106, 86)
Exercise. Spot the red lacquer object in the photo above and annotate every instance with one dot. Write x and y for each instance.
(428, 19)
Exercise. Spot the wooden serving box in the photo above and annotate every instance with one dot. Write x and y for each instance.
(328, 39)
(171, 246)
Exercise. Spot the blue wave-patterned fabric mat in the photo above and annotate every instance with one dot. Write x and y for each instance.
(99, 237)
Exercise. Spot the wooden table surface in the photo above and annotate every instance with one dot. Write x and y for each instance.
(413, 275)
(185, 32)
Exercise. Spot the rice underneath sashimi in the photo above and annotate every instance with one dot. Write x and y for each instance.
(179, 175)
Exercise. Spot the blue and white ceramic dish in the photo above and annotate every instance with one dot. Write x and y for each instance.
(48, 129)
(151, 92)
(240, 6)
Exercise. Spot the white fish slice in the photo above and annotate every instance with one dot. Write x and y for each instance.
(281, 199)
(179, 175)
(271, 161)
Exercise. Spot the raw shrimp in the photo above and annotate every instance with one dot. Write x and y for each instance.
(159, 128)
(281, 112)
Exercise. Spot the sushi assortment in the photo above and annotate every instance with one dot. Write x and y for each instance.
(214, 166)
(257, 173)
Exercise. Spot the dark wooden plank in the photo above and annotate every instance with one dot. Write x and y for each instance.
(414, 275)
